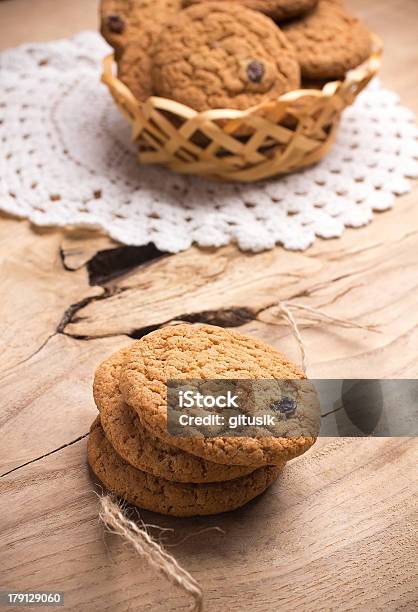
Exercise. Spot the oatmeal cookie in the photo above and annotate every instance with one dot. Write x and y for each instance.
(329, 41)
(176, 499)
(276, 9)
(137, 445)
(121, 21)
(213, 56)
(206, 352)
(131, 27)
(134, 64)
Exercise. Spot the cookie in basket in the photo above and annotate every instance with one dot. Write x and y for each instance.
(134, 64)
(172, 498)
(329, 41)
(206, 352)
(137, 445)
(212, 56)
(121, 20)
(276, 9)
(131, 27)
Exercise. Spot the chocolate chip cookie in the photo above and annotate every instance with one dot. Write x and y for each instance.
(212, 55)
(131, 27)
(134, 64)
(206, 352)
(176, 499)
(329, 41)
(276, 9)
(136, 445)
(121, 21)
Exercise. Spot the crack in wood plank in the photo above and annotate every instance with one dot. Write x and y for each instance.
(47, 400)
(31, 355)
(108, 265)
(289, 276)
(235, 316)
(71, 311)
(55, 450)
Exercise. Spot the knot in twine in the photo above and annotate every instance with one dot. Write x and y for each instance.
(111, 514)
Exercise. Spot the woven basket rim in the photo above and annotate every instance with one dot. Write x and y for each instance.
(370, 66)
(275, 137)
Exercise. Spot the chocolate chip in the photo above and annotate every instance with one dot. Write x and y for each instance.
(115, 24)
(286, 406)
(255, 71)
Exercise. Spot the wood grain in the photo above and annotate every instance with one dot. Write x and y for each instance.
(36, 292)
(47, 399)
(338, 530)
(216, 287)
(330, 534)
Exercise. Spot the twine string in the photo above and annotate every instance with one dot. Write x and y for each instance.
(113, 517)
(285, 309)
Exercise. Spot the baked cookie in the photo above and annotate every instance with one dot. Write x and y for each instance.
(131, 27)
(121, 21)
(329, 41)
(172, 498)
(213, 56)
(276, 9)
(115, 23)
(134, 64)
(206, 352)
(136, 445)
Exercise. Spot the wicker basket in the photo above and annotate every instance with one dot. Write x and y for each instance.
(272, 138)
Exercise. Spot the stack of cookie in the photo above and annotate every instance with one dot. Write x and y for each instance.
(207, 54)
(134, 456)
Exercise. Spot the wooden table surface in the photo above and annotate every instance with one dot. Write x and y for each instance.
(338, 530)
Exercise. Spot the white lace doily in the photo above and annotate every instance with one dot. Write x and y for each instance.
(66, 159)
